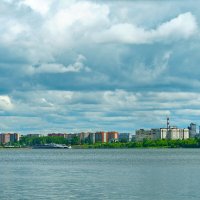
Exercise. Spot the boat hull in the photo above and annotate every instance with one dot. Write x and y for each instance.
(51, 146)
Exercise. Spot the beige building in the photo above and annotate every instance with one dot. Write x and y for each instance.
(172, 133)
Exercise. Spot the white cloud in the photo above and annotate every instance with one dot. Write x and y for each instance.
(60, 68)
(103, 109)
(181, 27)
(73, 24)
(12, 30)
(148, 74)
(186, 112)
(120, 98)
(46, 34)
(5, 103)
(80, 13)
(39, 6)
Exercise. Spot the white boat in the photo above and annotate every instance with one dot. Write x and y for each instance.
(51, 146)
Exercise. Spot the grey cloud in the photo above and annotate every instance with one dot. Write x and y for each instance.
(59, 108)
(59, 68)
(127, 82)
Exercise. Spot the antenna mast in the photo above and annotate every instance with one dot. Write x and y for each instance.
(167, 123)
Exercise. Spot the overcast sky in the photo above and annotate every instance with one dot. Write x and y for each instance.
(70, 66)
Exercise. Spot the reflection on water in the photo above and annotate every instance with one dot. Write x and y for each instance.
(146, 174)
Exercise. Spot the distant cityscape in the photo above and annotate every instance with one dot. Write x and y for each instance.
(169, 132)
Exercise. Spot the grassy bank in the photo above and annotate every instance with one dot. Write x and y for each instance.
(189, 143)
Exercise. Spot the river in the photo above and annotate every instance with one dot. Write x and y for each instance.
(141, 174)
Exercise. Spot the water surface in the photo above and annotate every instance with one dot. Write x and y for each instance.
(146, 174)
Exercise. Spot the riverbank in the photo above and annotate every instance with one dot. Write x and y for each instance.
(189, 143)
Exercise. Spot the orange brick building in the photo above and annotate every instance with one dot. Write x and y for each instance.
(106, 136)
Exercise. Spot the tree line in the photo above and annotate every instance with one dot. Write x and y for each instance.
(189, 143)
(31, 141)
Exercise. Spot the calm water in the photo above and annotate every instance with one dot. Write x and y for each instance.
(100, 174)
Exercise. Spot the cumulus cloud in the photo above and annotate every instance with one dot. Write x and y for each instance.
(60, 68)
(102, 109)
(181, 27)
(142, 64)
(41, 7)
(147, 74)
(5, 103)
(84, 13)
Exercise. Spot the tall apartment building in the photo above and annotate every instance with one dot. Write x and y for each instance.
(102, 136)
(92, 138)
(33, 135)
(124, 137)
(71, 136)
(57, 135)
(5, 138)
(150, 134)
(9, 137)
(112, 136)
(84, 136)
(14, 137)
(172, 133)
(192, 130)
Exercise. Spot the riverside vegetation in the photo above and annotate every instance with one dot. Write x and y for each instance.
(28, 142)
(189, 143)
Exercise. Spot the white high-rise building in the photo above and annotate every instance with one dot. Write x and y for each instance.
(171, 133)
(174, 133)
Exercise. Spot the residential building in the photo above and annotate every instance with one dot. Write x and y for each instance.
(4, 138)
(172, 133)
(133, 138)
(57, 135)
(184, 133)
(14, 137)
(112, 136)
(33, 135)
(151, 134)
(100, 137)
(71, 137)
(92, 138)
(192, 130)
(124, 137)
(9, 137)
(84, 137)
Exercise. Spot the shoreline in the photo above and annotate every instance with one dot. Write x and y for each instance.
(84, 148)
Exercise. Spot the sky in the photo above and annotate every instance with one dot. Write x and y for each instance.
(77, 65)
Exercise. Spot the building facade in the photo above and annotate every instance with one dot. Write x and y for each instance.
(84, 137)
(124, 137)
(64, 135)
(92, 138)
(192, 130)
(150, 134)
(112, 136)
(100, 137)
(9, 137)
(33, 135)
(172, 133)
(103, 137)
